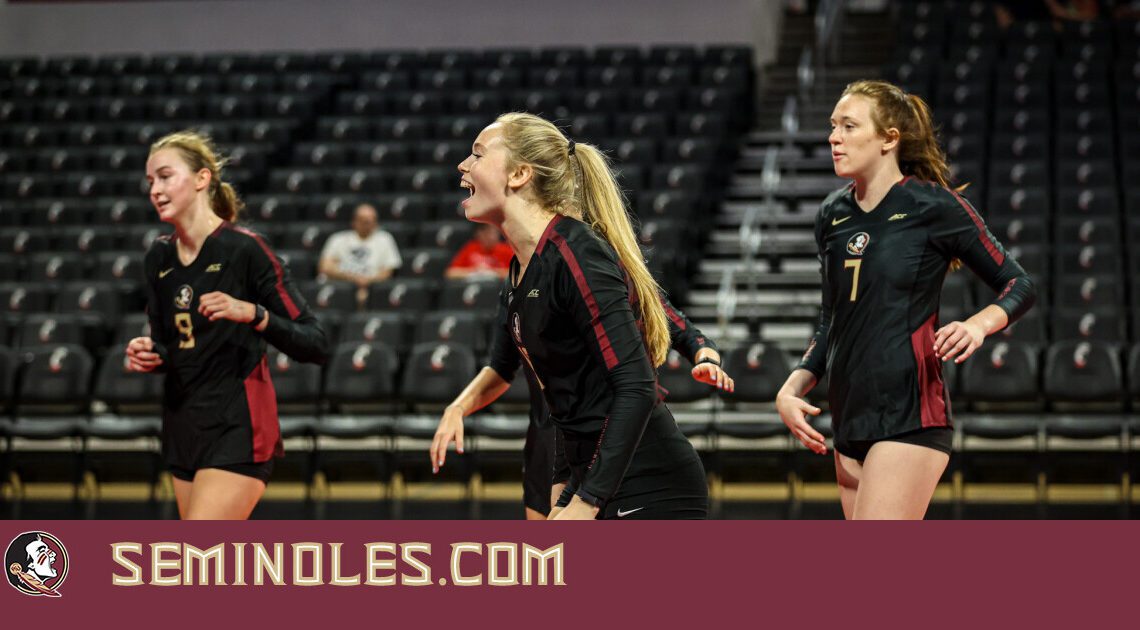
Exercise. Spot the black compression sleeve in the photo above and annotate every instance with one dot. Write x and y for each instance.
(959, 232)
(592, 289)
(815, 357)
(292, 328)
(685, 338)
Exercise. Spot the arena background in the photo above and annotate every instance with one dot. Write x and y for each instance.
(716, 114)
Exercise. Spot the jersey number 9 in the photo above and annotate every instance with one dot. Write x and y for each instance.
(185, 331)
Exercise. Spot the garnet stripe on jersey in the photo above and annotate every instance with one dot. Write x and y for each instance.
(262, 400)
(290, 307)
(546, 234)
(677, 319)
(931, 391)
(983, 236)
(588, 297)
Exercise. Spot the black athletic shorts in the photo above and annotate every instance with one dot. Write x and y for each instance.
(665, 480)
(937, 438)
(682, 494)
(538, 466)
(262, 470)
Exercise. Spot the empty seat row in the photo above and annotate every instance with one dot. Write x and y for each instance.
(444, 127)
(47, 135)
(365, 372)
(438, 179)
(106, 109)
(338, 61)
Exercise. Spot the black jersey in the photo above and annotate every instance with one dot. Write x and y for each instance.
(542, 466)
(570, 319)
(219, 405)
(882, 278)
(684, 337)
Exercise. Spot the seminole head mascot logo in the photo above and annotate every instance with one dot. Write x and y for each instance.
(858, 243)
(183, 297)
(37, 564)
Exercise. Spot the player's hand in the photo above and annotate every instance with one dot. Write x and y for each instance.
(958, 338)
(713, 374)
(793, 411)
(217, 305)
(450, 429)
(141, 356)
(577, 510)
(555, 494)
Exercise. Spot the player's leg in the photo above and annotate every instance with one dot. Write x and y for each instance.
(534, 515)
(898, 480)
(848, 472)
(223, 495)
(182, 488)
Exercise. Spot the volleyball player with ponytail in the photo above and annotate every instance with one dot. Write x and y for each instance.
(589, 345)
(886, 242)
(216, 294)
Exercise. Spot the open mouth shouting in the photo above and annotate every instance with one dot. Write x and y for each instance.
(463, 183)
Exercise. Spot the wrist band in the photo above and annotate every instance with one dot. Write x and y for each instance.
(709, 360)
(258, 316)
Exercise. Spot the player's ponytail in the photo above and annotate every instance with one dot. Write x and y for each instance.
(199, 152)
(575, 179)
(604, 209)
(920, 153)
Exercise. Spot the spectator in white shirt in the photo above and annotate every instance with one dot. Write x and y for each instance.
(363, 255)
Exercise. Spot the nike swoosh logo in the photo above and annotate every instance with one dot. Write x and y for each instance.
(162, 274)
(621, 514)
(838, 221)
(896, 217)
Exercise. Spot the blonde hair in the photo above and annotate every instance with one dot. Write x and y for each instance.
(199, 153)
(580, 181)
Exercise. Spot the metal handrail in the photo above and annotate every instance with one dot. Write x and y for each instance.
(805, 74)
(726, 301)
(828, 20)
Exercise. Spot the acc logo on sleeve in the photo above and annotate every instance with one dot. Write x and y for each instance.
(36, 563)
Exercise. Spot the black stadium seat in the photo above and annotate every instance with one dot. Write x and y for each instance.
(759, 370)
(1085, 372)
(436, 371)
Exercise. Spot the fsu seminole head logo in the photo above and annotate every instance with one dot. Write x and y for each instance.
(516, 328)
(857, 244)
(183, 297)
(36, 564)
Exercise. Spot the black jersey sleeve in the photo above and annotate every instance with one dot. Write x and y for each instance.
(292, 328)
(592, 289)
(505, 358)
(685, 338)
(153, 309)
(959, 232)
(815, 357)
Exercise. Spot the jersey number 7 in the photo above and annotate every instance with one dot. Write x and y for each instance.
(853, 263)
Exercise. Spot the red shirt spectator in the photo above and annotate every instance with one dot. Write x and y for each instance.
(485, 254)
